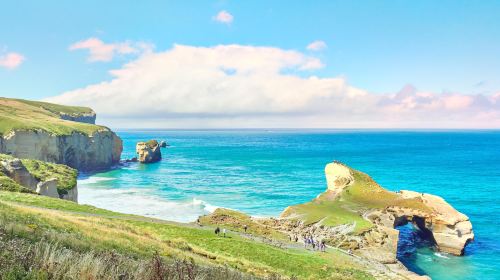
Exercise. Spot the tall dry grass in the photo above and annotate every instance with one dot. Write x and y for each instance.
(21, 258)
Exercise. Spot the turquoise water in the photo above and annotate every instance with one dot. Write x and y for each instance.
(262, 172)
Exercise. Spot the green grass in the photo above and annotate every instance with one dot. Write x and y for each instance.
(82, 228)
(235, 221)
(56, 108)
(152, 143)
(329, 213)
(7, 184)
(17, 114)
(65, 175)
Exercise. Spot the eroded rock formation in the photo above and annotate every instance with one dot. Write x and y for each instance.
(148, 152)
(354, 192)
(83, 152)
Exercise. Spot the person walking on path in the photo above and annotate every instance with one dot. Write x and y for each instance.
(217, 230)
(224, 232)
(245, 227)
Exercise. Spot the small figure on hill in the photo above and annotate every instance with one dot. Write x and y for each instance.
(217, 230)
(224, 232)
(245, 227)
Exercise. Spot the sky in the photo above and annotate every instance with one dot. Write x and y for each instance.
(257, 64)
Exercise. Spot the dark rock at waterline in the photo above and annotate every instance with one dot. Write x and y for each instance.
(163, 144)
(134, 159)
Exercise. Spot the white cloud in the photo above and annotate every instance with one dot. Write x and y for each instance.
(100, 51)
(11, 60)
(224, 17)
(317, 46)
(248, 86)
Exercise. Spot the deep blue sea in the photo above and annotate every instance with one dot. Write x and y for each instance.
(261, 172)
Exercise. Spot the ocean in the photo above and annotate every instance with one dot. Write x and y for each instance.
(260, 172)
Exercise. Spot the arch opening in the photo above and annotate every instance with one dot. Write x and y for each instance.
(413, 236)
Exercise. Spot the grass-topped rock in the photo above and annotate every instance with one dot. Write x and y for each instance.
(56, 133)
(148, 152)
(355, 204)
(34, 176)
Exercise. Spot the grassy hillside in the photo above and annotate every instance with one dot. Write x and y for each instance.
(17, 114)
(66, 176)
(56, 225)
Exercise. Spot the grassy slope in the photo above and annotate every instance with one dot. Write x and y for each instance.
(236, 221)
(84, 227)
(42, 171)
(364, 194)
(17, 114)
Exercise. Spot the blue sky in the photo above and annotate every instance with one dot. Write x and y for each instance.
(376, 46)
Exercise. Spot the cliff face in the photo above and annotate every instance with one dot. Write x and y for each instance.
(83, 117)
(83, 152)
(56, 133)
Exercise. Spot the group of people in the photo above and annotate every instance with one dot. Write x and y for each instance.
(314, 244)
(218, 231)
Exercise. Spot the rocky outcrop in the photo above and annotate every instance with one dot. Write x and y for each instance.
(148, 152)
(81, 117)
(17, 171)
(84, 152)
(338, 177)
(450, 229)
(352, 194)
(48, 188)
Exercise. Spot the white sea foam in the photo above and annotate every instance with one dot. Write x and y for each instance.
(144, 203)
(93, 180)
(437, 254)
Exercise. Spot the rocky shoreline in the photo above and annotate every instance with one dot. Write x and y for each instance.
(350, 192)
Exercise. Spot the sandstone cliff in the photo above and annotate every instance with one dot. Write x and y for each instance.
(56, 133)
(148, 152)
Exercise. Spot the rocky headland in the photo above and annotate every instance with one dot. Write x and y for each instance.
(57, 134)
(358, 215)
(42, 145)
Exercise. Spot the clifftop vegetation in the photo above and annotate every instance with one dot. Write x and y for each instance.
(18, 114)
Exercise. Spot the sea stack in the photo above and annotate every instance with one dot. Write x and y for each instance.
(148, 152)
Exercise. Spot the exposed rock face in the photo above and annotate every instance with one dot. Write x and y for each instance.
(70, 195)
(148, 152)
(451, 229)
(48, 188)
(338, 177)
(98, 151)
(163, 144)
(18, 172)
(83, 118)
